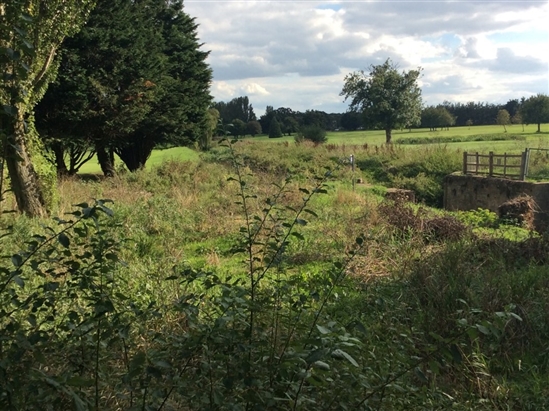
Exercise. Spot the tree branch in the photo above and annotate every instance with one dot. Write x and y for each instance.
(45, 68)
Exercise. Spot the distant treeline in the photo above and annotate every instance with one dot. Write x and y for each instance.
(238, 113)
(238, 118)
(480, 113)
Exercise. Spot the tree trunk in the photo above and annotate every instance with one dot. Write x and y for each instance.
(136, 154)
(59, 154)
(106, 160)
(23, 177)
(388, 135)
(539, 127)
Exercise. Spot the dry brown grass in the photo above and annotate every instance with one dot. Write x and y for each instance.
(404, 218)
(76, 190)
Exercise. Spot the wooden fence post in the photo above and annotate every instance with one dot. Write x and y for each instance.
(491, 164)
(465, 162)
(524, 164)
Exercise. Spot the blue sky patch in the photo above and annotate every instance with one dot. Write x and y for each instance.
(520, 37)
(446, 40)
(330, 6)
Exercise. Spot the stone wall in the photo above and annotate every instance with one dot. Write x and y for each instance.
(468, 192)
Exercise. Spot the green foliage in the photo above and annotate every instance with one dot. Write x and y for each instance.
(132, 79)
(212, 120)
(253, 128)
(238, 108)
(351, 120)
(422, 170)
(459, 139)
(481, 218)
(27, 67)
(58, 297)
(503, 118)
(274, 129)
(388, 99)
(435, 117)
(535, 110)
(458, 282)
(239, 128)
(229, 285)
(313, 133)
(538, 165)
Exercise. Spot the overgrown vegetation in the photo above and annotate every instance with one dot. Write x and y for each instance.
(421, 170)
(258, 279)
(459, 139)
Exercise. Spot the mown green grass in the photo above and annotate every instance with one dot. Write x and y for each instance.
(377, 138)
(157, 157)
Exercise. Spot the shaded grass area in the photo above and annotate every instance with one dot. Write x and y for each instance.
(157, 157)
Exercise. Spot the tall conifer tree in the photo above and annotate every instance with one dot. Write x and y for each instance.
(132, 79)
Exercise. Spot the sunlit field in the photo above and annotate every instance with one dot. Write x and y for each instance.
(525, 138)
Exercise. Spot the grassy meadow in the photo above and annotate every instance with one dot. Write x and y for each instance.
(475, 138)
(254, 278)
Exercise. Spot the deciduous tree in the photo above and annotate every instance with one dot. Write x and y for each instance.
(517, 119)
(503, 119)
(386, 97)
(313, 133)
(238, 107)
(351, 120)
(239, 128)
(535, 110)
(254, 128)
(30, 33)
(434, 117)
(212, 120)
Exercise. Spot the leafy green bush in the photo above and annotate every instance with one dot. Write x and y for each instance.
(538, 165)
(495, 291)
(480, 218)
(313, 133)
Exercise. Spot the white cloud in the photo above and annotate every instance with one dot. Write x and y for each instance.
(254, 89)
(296, 53)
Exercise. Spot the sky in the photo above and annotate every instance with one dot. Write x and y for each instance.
(296, 53)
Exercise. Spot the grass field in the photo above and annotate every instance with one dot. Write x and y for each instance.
(157, 157)
(377, 138)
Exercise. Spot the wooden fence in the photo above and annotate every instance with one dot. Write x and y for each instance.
(512, 166)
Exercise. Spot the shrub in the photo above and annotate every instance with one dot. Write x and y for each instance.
(274, 129)
(313, 133)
